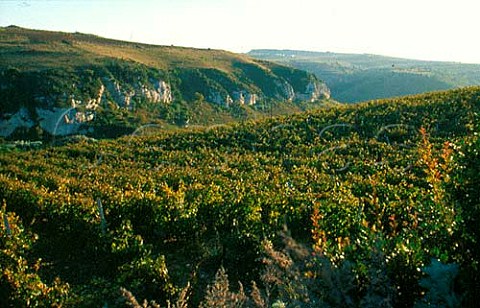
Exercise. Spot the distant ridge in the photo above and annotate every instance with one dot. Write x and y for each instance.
(361, 77)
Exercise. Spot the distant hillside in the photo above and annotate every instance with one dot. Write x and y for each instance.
(54, 83)
(361, 77)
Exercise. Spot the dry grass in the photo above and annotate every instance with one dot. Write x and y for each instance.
(49, 49)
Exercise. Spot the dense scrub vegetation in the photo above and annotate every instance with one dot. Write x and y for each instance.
(369, 205)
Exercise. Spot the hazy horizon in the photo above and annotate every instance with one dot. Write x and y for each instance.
(427, 30)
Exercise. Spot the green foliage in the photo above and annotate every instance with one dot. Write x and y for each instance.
(20, 282)
(464, 187)
(368, 196)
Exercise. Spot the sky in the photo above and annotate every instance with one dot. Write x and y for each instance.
(441, 30)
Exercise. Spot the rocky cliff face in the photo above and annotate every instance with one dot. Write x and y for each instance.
(11, 122)
(157, 91)
(61, 110)
(54, 84)
(314, 91)
(67, 107)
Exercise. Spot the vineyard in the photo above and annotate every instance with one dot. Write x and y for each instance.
(372, 205)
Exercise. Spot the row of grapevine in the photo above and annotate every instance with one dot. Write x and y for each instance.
(150, 214)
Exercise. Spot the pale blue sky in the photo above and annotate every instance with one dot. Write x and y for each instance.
(422, 29)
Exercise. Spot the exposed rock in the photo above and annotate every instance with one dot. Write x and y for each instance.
(165, 92)
(244, 97)
(121, 97)
(80, 117)
(250, 98)
(238, 97)
(56, 121)
(67, 121)
(287, 90)
(150, 95)
(314, 91)
(228, 100)
(21, 119)
(81, 112)
(162, 92)
(92, 103)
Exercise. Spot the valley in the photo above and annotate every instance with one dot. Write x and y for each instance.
(360, 77)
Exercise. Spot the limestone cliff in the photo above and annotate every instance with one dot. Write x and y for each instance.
(63, 84)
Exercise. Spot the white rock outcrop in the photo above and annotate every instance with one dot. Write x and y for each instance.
(119, 96)
(162, 92)
(250, 98)
(228, 100)
(244, 97)
(91, 103)
(238, 97)
(315, 90)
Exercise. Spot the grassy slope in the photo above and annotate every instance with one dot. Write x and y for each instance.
(32, 49)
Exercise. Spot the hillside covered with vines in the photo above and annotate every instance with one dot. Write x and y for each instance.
(365, 205)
